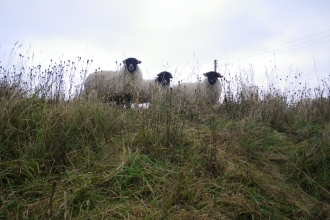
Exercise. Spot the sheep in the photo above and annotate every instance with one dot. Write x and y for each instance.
(150, 86)
(208, 90)
(116, 85)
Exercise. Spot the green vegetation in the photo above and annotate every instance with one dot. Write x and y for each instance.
(248, 158)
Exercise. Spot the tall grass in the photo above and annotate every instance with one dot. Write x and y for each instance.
(263, 153)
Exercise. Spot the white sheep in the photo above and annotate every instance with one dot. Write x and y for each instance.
(116, 85)
(208, 90)
(150, 86)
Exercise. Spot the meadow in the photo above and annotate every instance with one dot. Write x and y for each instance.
(263, 153)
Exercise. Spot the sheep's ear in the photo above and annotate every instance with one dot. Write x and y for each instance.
(139, 61)
(124, 61)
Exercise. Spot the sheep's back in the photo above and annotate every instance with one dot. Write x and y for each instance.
(104, 82)
(187, 89)
(114, 82)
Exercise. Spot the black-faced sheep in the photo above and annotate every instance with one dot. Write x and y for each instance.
(116, 85)
(208, 90)
(150, 86)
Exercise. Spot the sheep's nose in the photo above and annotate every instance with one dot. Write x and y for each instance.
(130, 67)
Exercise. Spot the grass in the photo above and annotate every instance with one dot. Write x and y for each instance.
(256, 156)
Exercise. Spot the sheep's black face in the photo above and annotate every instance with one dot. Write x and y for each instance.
(131, 64)
(164, 78)
(212, 77)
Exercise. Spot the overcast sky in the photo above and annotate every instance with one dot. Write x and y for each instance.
(180, 36)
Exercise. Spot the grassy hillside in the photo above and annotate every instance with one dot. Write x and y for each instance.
(248, 158)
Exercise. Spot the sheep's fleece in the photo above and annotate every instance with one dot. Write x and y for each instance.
(126, 81)
(208, 90)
